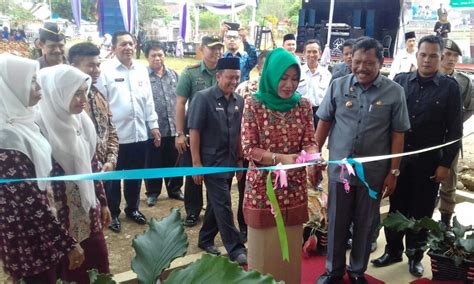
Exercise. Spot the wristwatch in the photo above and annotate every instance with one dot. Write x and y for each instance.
(179, 133)
(395, 172)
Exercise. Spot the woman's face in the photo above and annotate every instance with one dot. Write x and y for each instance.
(35, 94)
(79, 100)
(288, 83)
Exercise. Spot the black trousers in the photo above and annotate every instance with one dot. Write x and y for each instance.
(193, 201)
(415, 197)
(130, 156)
(165, 156)
(315, 117)
(219, 217)
(240, 211)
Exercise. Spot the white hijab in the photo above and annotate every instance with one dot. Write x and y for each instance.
(18, 130)
(72, 136)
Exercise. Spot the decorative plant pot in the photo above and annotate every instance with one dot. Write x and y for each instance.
(443, 268)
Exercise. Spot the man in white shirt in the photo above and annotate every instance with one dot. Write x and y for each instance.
(405, 61)
(126, 86)
(315, 79)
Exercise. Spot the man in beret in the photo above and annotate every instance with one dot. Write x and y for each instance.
(447, 192)
(214, 126)
(194, 78)
(405, 61)
(52, 42)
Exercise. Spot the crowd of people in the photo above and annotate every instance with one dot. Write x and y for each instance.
(13, 35)
(66, 114)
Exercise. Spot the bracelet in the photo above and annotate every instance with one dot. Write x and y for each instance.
(274, 157)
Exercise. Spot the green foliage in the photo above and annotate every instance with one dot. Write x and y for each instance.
(97, 278)
(152, 9)
(18, 13)
(210, 21)
(456, 242)
(213, 269)
(157, 247)
(64, 10)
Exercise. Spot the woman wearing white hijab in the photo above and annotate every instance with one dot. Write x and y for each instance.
(82, 206)
(32, 240)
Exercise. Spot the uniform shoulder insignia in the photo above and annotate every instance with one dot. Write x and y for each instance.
(192, 66)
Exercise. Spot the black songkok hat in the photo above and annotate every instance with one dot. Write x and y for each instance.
(450, 44)
(289, 37)
(51, 31)
(232, 63)
(409, 35)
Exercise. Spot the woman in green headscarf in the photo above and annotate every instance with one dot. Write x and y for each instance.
(277, 124)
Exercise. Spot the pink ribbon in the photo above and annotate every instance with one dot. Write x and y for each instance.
(350, 171)
(306, 157)
(281, 176)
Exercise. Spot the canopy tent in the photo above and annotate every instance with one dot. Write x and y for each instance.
(219, 7)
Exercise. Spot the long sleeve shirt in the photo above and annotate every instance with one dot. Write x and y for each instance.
(130, 97)
(403, 62)
(248, 60)
(434, 108)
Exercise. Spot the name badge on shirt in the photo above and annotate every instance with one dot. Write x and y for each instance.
(119, 79)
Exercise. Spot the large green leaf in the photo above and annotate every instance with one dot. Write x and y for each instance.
(398, 222)
(468, 244)
(99, 278)
(458, 229)
(216, 269)
(156, 248)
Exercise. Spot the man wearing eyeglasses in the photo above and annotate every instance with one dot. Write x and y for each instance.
(233, 36)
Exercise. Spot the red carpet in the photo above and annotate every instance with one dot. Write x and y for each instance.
(427, 281)
(313, 267)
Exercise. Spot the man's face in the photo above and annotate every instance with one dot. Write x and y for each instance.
(410, 43)
(290, 45)
(124, 48)
(428, 57)
(53, 51)
(347, 55)
(312, 54)
(232, 42)
(89, 65)
(449, 59)
(366, 66)
(156, 59)
(212, 54)
(228, 80)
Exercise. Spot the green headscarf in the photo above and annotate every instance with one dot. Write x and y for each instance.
(276, 64)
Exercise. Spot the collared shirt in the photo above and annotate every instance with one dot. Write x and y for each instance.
(43, 63)
(107, 139)
(218, 121)
(434, 106)
(340, 70)
(465, 87)
(313, 86)
(195, 78)
(362, 123)
(131, 99)
(248, 60)
(164, 96)
(403, 62)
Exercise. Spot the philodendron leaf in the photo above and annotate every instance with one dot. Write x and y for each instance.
(163, 242)
(398, 222)
(458, 229)
(216, 269)
(99, 278)
(468, 244)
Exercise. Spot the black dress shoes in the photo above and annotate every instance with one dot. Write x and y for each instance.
(416, 268)
(191, 220)
(358, 279)
(115, 225)
(137, 217)
(385, 260)
(212, 249)
(329, 279)
(178, 195)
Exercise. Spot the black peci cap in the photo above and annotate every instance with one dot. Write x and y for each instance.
(232, 63)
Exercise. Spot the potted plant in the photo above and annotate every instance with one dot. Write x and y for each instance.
(315, 230)
(451, 249)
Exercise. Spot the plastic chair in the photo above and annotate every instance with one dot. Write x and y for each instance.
(386, 43)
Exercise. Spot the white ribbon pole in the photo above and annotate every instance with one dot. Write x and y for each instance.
(326, 56)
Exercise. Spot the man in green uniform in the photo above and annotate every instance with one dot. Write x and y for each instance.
(193, 79)
(447, 191)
